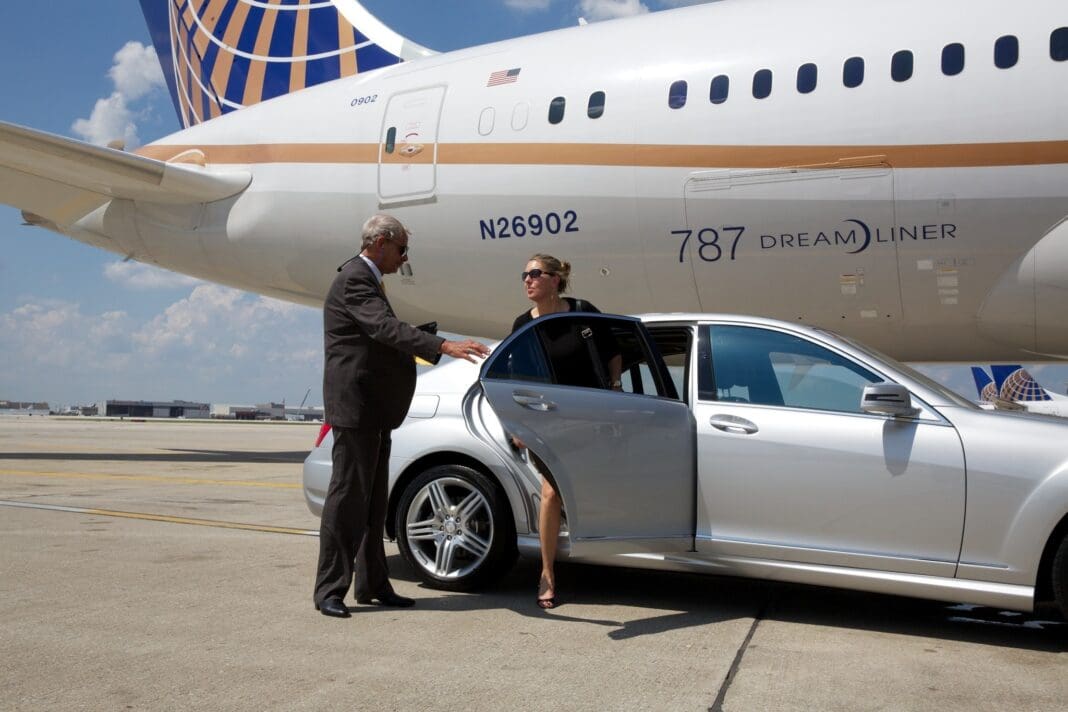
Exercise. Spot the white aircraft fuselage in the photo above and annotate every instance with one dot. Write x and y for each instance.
(924, 215)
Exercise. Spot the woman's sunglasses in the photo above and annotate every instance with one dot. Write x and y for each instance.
(535, 273)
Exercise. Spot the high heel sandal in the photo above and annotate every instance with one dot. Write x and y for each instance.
(545, 603)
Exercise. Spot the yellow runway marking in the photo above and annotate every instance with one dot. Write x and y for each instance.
(149, 478)
(161, 518)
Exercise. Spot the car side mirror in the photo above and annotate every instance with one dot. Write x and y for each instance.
(887, 399)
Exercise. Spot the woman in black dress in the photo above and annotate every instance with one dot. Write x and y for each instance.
(545, 279)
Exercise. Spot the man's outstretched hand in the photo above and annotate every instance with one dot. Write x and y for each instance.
(469, 350)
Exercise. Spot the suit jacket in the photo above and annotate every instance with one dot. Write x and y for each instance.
(369, 374)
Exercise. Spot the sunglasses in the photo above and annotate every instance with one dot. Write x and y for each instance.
(403, 249)
(535, 273)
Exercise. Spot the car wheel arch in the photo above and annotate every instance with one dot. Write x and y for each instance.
(440, 458)
(1044, 582)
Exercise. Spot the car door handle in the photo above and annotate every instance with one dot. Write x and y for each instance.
(534, 402)
(733, 424)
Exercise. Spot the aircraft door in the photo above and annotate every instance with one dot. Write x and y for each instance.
(407, 152)
(623, 460)
(759, 239)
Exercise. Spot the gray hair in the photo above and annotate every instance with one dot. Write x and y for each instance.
(382, 224)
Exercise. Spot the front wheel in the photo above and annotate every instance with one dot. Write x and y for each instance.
(454, 528)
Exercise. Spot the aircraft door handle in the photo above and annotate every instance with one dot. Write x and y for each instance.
(533, 402)
(733, 424)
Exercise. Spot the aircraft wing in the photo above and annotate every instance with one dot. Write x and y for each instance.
(59, 180)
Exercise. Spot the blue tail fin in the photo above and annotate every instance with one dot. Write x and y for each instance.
(222, 55)
(1016, 384)
(984, 385)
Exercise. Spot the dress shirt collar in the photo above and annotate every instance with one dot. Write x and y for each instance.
(374, 268)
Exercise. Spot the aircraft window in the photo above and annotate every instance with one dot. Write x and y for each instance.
(807, 74)
(520, 115)
(677, 94)
(595, 109)
(1058, 44)
(391, 139)
(762, 84)
(719, 89)
(853, 72)
(1006, 52)
(485, 121)
(901, 66)
(556, 110)
(953, 59)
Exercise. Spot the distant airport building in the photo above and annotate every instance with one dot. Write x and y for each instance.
(264, 411)
(305, 414)
(153, 409)
(23, 408)
(227, 411)
(273, 411)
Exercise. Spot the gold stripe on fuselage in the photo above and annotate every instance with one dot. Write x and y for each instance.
(973, 155)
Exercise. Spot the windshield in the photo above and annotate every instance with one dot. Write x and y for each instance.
(909, 371)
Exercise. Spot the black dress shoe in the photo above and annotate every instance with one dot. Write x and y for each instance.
(388, 599)
(333, 607)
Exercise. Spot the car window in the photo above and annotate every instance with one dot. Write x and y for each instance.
(521, 360)
(674, 343)
(767, 367)
(582, 350)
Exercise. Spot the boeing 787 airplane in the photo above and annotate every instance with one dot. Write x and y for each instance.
(895, 170)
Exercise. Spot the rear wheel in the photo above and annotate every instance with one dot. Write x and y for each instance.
(454, 528)
(1060, 576)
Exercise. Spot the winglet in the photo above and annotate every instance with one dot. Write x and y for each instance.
(218, 57)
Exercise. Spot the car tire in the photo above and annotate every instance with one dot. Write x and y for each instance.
(454, 528)
(1060, 577)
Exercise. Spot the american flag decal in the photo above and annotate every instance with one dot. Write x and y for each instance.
(504, 76)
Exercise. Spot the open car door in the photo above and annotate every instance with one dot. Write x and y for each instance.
(623, 460)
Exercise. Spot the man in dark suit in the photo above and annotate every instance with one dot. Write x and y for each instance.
(368, 382)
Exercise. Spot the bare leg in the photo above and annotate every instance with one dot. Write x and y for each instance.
(548, 532)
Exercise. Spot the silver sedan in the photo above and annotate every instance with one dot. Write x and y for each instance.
(738, 445)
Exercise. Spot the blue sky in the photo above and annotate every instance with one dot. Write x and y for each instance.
(77, 325)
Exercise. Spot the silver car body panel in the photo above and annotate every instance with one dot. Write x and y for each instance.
(853, 486)
(628, 480)
(956, 503)
(1017, 491)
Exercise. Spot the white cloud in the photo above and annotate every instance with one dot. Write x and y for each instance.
(528, 5)
(109, 120)
(135, 72)
(137, 275)
(49, 336)
(216, 345)
(595, 10)
(683, 3)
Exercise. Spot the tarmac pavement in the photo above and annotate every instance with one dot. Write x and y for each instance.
(169, 565)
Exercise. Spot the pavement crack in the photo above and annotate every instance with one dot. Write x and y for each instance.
(717, 704)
